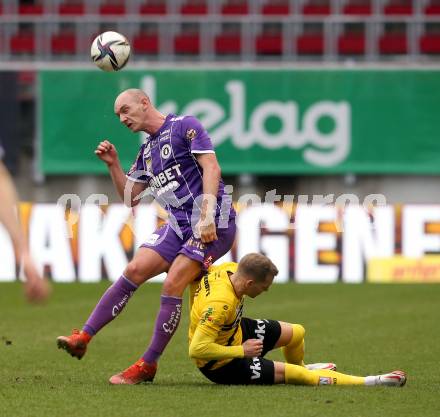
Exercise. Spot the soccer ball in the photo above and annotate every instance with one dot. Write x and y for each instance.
(110, 51)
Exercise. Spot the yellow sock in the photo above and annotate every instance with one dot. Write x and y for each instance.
(338, 378)
(294, 350)
(299, 375)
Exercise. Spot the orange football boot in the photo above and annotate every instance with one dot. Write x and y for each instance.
(75, 344)
(138, 372)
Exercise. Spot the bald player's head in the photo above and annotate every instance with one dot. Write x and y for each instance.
(131, 106)
(134, 95)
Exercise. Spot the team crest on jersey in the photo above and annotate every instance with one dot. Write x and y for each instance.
(191, 134)
(165, 152)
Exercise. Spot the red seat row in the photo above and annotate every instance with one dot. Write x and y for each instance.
(234, 7)
(307, 44)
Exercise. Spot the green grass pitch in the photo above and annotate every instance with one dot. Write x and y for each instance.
(365, 329)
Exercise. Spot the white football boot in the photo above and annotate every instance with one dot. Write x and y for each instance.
(317, 366)
(393, 379)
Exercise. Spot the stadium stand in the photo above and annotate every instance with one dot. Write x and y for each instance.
(243, 30)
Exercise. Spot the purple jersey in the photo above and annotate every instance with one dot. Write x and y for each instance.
(167, 163)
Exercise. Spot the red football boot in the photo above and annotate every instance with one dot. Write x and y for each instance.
(138, 372)
(75, 344)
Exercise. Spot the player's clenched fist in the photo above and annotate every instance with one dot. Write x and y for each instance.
(252, 348)
(106, 152)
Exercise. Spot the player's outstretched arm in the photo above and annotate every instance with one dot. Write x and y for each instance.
(36, 288)
(8, 198)
(126, 189)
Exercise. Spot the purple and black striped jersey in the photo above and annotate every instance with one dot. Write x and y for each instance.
(167, 163)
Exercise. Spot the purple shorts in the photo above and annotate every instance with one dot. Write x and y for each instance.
(167, 243)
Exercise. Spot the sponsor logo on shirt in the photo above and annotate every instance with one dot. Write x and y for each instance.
(207, 316)
(165, 135)
(164, 177)
(206, 285)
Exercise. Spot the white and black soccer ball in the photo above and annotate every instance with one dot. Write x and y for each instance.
(110, 51)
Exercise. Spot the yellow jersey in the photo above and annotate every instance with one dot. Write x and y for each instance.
(215, 335)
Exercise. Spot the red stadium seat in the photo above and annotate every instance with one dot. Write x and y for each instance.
(71, 8)
(30, 9)
(157, 7)
(310, 44)
(393, 44)
(112, 8)
(146, 44)
(63, 44)
(351, 44)
(430, 44)
(228, 44)
(194, 7)
(187, 44)
(432, 10)
(358, 7)
(276, 8)
(23, 43)
(269, 44)
(358, 10)
(398, 7)
(235, 7)
(317, 7)
(433, 7)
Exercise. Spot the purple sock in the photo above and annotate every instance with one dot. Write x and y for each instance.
(166, 324)
(110, 305)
